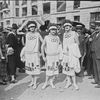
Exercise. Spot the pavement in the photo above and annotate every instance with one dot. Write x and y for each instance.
(21, 91)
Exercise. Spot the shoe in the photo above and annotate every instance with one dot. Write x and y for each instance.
(13, 81)
(67, 85)
(3, 83)
(91, 77)
(31, 84)
(94, 82)
(52, 85)
(34, 87)
(98, 86)
(44, 86)
(76, 87)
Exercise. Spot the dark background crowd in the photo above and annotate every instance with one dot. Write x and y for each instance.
(11, 44)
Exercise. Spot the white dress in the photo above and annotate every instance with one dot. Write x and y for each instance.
(71, 54)
(52, 54)
(31, 50)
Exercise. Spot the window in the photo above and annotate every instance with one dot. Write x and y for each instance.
(34, 10)
(60, 0)
(77, 18)
(24, 2)
(46, 8)
(76, 4)
(61, 6)
(16, 2)
(0, 5)
(23, 21)
(1, 15)
(5, 5)
(17, 12)
(95, 16)
(24, 11)
(8, 22)
(8, 2)
(33, 0)
(60, 20)
(2, 24)
(45, 0)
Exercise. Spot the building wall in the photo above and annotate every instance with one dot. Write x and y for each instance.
(86, 7)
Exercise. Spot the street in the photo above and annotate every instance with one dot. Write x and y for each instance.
(21, 91)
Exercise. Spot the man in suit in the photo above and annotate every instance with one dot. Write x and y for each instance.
(95, 47)
(89, 62)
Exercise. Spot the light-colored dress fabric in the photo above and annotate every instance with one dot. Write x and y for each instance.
(71, 54)
(31, 54)
(52, 54)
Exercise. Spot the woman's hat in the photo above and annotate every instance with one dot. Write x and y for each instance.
(67, 23)
(31, 24)
(79, 27)
(52, 26)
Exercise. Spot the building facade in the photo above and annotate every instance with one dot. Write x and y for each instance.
(17, 11)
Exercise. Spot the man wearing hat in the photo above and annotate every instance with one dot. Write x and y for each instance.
(82, 47)
(89, 61)
(95, 48)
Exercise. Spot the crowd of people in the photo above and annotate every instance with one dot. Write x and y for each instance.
(68, 49)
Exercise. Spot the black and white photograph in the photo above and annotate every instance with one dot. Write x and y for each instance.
(49, 50)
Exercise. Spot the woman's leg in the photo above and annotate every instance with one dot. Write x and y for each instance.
(51, 81)
(32, 81)
(35, 81)
(68, 82)
(74, 82)
(46, 82)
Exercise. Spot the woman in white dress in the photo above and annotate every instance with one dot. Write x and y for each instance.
(51, 46)
(71, 54)
(30, 53)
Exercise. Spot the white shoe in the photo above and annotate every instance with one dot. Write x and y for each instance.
(52, 85)
(76, 87)
(44, 86)
(31, 84)
(67, 85)
(34, 87)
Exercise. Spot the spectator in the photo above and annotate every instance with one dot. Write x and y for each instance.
(95, 47)
(82, 46)
(89, 62)
(3, 60)
(12, 43)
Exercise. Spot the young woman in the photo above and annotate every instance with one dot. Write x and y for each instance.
(30, 53)
(71, 54)
(51, 46)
